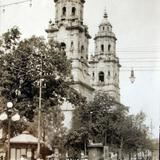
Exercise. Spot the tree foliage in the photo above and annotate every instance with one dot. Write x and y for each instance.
(24, 62)
(108, 122)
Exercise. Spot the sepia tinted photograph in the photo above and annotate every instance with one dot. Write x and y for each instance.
(79, 80)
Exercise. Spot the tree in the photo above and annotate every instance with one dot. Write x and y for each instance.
(23, 64)
(98, 117)
(108, 122)
(130, 137)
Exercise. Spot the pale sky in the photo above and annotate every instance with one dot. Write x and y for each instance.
(136, 24)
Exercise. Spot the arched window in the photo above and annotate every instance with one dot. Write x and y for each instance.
(82, 49)
(93, 75)
(101, 76)
(63, 45)
(109, 74)
(102, 48)
(72, 46)
(115, 76)
(109, 47)
(73, 11)
(63, 11)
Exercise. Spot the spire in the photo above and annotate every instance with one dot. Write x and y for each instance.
(105, 18)
(105, 13)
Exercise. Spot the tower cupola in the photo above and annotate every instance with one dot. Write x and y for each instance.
(105, 39)
(69, 11)
(105, 24)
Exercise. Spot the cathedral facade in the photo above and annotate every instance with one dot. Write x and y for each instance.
(100, 71)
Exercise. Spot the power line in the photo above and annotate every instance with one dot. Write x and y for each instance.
(140, 70)
(143, 51)
(130, 61)
(139, 57)
(15, 3)
(141, 47)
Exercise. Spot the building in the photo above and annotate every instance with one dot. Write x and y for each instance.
(156, 150)
(101, 71)
(2, 148)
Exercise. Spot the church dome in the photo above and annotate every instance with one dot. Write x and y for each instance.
(105, 28)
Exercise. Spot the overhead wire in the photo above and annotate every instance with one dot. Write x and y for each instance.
(3, 6)
(14, 3)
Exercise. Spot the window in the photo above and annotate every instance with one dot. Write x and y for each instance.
(93, 76)
(72, 46)
(73, 11)
(102, 48)
(101, 76)
(115, 76)
(109, 47)
(109, 74)
(82, 49)
(63, 11)
(63, 46)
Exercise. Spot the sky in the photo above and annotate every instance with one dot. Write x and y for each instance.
(136, 24)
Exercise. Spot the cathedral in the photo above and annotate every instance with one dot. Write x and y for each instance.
(100, 71)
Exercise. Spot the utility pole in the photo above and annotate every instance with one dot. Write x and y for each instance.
(39, 108)
(159, 142)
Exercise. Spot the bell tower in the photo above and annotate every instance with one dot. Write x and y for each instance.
(69, 10)
(69, 30)
(104, 65)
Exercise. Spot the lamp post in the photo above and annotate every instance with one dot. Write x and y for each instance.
(39, 105)
(39, 118)
(132, 76)
(10, 114)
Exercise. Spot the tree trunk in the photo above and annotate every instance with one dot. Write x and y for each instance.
(121, 149)
(136, 155)
(118, 155)
(130, 155)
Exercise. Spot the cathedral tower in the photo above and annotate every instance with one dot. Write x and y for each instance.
(73, 35)
(104, 65)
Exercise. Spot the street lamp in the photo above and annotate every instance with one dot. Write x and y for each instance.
(132, 77)
(10, 114)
